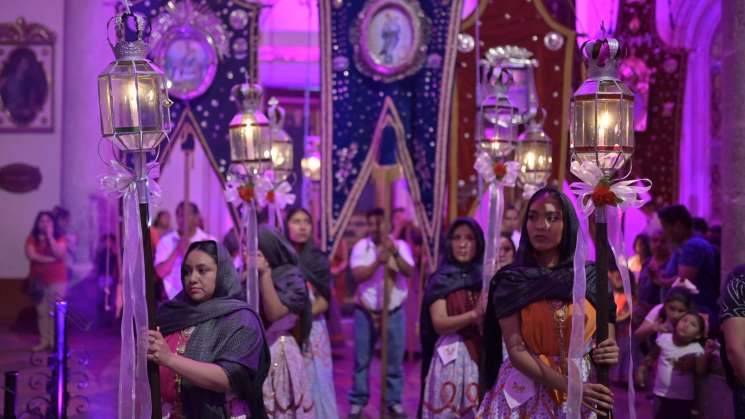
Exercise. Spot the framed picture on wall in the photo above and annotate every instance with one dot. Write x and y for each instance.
(26, 77)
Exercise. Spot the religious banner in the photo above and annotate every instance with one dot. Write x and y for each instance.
(387, 70)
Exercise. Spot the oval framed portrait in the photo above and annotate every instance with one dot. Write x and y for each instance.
(390, 39)
(189, 61)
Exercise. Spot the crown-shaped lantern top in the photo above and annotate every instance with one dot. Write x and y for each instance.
(247, 96)
(602, 56)
(129, 50)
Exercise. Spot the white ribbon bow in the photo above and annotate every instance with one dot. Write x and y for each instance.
(261, 186)
(485, 168)
(121, 179)
(627, 194)
(280, 196)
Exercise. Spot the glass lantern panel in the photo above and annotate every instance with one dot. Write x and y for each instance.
(535, 161)
(498, 130)
(104, 106)
(602, 131)
(149, 103)
(123, 68)
(282, 155)
(519, 90)
(124, 100)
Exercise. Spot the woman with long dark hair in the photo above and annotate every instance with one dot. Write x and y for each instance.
(210, 345)
(531, 303)
(317, 349)
(46, 249)
(286, 311)
(451, 339)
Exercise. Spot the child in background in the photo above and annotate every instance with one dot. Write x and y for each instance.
(681, 357)
(660, 319)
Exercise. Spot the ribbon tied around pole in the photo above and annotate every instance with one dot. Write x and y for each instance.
(597, 191)
(134, 388)
(497, 175)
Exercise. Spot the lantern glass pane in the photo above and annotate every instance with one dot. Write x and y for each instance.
(124, 100)
(535, 161)
(602, 130)
(149, 105)
(104, 106)
(282, 158)
(250, 143)
(498, 130)
(519, 90)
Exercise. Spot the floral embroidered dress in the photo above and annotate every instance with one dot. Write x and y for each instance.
(545, 327)
(450, 363)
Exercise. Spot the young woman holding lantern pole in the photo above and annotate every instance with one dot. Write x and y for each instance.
(530, 308)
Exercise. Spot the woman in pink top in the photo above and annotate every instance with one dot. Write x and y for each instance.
(46, 249)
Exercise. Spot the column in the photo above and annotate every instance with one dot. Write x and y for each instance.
(86, 55)
(733, 135)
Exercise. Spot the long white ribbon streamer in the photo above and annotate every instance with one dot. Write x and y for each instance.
(627, 195)
(497, 175)
(134, 388)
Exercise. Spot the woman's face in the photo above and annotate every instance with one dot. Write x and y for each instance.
(506, 252)
(45, 223)
(545, 223)
(199, 276)
(674, 310)
(299, 227)
(464, 244)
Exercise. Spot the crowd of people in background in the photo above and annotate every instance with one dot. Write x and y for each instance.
(686, 337)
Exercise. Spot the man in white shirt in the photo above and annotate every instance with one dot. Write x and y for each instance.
(171, 248)
(371, 256)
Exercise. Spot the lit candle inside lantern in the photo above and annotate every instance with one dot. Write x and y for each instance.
(530, 160)
(604, 126)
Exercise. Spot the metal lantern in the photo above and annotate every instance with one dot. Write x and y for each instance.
(282, 147)
(602, 110)
(533, 152)
(311, 166)
(132, 94)
(520, 64)
(249, 131)
(498, 116)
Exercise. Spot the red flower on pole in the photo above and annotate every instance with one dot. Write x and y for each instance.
(603, 195)
(270, 197)
(246, 192)
(500, 170)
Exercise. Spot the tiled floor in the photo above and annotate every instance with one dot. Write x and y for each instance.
(100, 349)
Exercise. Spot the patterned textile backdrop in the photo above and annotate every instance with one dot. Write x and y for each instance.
(656, 74)
(528, 25)
(368, 121)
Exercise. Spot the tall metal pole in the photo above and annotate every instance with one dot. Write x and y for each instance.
(153, 372)
(59, 396)
(603, 298)
(11, 389)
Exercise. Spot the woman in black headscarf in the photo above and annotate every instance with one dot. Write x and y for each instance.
(214, 344)
(285, 308)
(317, 349)
(451, 340)
(529, 309)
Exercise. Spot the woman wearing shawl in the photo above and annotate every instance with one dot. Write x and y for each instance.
(285, 309)
(451, 339)
(214, 344)
(531, 300)
(317, 350)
